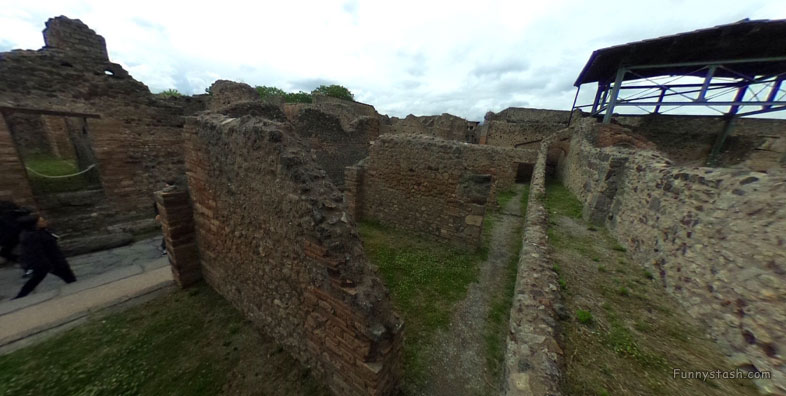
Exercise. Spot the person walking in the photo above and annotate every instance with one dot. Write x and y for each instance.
(9, 229)
(41, 254)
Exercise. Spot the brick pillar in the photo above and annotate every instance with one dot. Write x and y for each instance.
(177, 222)
(353, 184)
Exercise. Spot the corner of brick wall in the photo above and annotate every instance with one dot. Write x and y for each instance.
(533, 359)
(275, 239)
(177, 223)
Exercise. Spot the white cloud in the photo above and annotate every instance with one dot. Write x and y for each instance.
(403, 57)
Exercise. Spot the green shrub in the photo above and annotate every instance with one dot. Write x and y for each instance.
(265, 91)
(298, 97)
(170, 93)
(336, 91)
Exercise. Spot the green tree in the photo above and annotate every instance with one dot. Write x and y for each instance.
(265, 91)
(336, 91)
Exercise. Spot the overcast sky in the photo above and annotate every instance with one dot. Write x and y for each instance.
(419, 57)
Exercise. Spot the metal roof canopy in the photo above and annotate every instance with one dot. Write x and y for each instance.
(745, 59)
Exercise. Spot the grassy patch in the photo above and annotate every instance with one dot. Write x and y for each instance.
(426, 279)
(638, 331)
(53, 166)
(496, 329)
(186, 343)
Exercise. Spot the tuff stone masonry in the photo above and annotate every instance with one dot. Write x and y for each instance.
(275, 239)
(714, 237)
(431, 185)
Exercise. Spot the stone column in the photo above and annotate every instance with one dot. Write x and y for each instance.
(177, 223)
(14, 185)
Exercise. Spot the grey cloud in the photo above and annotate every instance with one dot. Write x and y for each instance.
(496, 69)
(309, 84)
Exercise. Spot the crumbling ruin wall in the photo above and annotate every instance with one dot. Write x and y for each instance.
(445, 126)
(275, 239)
(713, 236)
(754, 143)
(136, 139)
(521, 127)
(431, 185)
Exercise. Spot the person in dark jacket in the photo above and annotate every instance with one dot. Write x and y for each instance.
(41, 254)
(9, 229)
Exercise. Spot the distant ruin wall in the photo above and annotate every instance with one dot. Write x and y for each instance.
(445, 126)
(276, 240)
(521, 127)
(430, 185)
(714, 237)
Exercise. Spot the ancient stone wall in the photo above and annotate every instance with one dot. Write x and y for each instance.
(177, 224)
(754, 143)
(29, 133)
(276, 240)
(431, 185)
(134, 138)
(533, 358)
(713, 236)
(521, 127)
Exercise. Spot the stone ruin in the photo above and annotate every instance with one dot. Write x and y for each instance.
(269, 194)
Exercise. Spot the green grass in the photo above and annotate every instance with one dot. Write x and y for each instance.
(560, 201)
(53, 166)
(426, 279)
(638, 331)
(186, 343)
(584, 317)
(497, 321)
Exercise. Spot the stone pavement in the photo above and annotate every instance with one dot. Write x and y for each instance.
(110, 279)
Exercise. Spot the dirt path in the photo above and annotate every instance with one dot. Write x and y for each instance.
(459, 365)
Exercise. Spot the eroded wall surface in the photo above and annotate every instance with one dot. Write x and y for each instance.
(276, 240)
(754, 143)
(431, 185)
(713, 236)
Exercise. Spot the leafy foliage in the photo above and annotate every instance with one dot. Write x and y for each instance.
(170, 93)
(336, 91)
(298, 97)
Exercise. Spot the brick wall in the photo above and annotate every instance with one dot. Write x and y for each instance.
(431, 185)
(713, 236)
(14, 185)
(276, 240)
(58, 136)
(74, 37)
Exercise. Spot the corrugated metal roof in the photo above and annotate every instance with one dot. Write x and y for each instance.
(745, 39)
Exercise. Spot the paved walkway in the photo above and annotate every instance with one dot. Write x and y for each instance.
(108, 279)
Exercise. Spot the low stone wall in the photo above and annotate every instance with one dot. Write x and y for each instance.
(445, 126)
(714, 236)
(276, 240)
(533, 357)
(431, 185)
